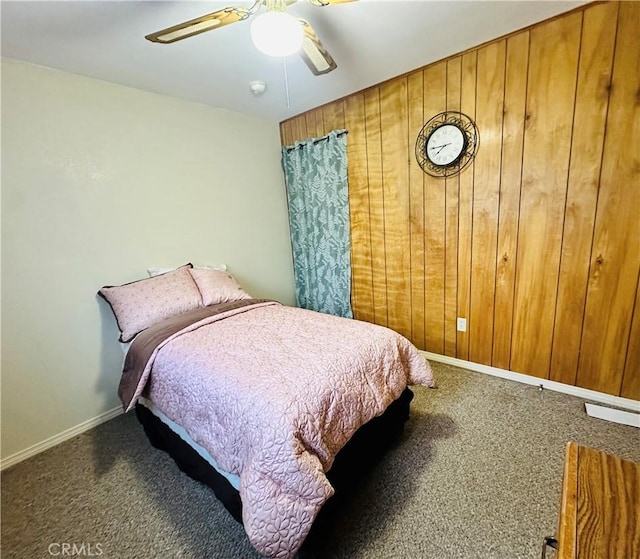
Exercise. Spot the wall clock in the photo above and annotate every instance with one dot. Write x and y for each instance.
(446, 144)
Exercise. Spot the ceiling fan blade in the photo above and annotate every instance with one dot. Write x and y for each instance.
(198, 25)
(313, 52)
(329, 2)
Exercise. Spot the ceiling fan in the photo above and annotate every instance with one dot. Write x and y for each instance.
(270, 31)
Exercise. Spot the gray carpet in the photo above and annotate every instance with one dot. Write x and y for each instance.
(477, 474)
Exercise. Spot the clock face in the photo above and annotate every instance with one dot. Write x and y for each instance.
(445, 145)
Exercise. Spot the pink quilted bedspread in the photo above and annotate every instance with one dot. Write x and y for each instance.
(273, 393)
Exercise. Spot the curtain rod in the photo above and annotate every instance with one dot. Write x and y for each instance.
(300, 146)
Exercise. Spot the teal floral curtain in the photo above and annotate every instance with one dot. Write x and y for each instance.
(317, 190)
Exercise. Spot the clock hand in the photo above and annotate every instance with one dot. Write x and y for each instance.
(441, 147)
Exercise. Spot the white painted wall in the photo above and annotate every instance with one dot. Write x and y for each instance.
(99, 181)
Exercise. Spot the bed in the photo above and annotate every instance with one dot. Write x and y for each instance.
(267, 404)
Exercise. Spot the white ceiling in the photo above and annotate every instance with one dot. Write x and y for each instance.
(370, 40)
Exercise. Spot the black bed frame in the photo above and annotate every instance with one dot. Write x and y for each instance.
(358, 456)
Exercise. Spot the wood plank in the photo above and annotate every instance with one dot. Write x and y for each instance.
(315, 124)
(452, 187)
(515, 96)
(333, 116)
(415, 94)
(319, 130)
(608, 524)
(592, 101)
(289, 126)
(376, 205)
(599, 506)
(302, 126)
(486, 196)
(615, 257)
(631, 378)
(299, 128)
(435, 101)
(310, 122)
(553, 61)
(567, 536)
(361, 273)
(394, 118)
(285, 133)
(465, 206)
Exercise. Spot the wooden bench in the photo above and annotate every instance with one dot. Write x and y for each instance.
(599, 507)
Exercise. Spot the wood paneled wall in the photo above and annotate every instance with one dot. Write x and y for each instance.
(537, 243)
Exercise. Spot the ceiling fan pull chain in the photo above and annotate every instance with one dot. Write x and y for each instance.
(286, 80)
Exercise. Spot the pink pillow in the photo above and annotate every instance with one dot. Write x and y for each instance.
(217, 286)
(142, 303)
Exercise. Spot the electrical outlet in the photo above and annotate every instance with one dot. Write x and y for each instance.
(462, 324)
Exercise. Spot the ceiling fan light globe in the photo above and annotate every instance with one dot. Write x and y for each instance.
(277, 34)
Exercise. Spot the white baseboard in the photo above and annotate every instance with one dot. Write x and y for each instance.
(59, 438)
(614, 415)
(624, 403)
